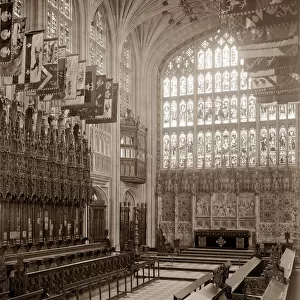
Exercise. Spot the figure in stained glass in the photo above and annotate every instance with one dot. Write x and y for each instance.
(218, 58)
(190, 85)
(218, 82)
(200, 111)
(182, 86)
(182, 113)
(190, 112)
(201, 60)
(233, 108)
(208, 59)
(243, 108)
(208, 83)
(252, 111)
(225, 110)
(226, 81)
(234, 80)
(243, 80)
(234, 56)
(173, 114)
(226, 56)
(173, 86)
(200, 83)
(166, 114)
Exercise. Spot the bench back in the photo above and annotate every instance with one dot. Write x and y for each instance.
(238, 276)
(186, 291)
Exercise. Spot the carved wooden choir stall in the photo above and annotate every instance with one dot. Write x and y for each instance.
(45, 193)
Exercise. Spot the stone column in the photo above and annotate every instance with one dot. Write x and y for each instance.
(257, 218)
(176, 216)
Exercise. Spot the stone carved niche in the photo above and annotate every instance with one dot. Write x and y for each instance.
(168, 212)
(246, 205)
(224, 205)
(203, 205)
(184, 207)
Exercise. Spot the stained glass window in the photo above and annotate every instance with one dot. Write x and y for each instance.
(208, 83)
(252, 146)
(166, 114)
(167, 86)
(282, 145)
(173, 86)
(190, 113)
(125, 75)
(98, 40)
(182, 86)
(263, 145)
(190, 137)
(190, 85)
(182, 149)
(221, 122)
(200, 111)
(173, 154)
(166, 150)
(218, 82)
(200, 83)
(59, 21)
(182, 113)
(174, 114)
(200, 149)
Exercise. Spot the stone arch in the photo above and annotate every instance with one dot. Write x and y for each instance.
(101, 196)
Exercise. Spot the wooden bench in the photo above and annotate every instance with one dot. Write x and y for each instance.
(209, 292)
(238, 276)
(186, 291)
(278, 287)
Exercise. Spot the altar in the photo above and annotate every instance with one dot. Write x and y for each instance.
(222, 238)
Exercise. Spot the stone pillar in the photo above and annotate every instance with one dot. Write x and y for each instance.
(257, 218)
(136, 232)
(194, 199)
(176, 217)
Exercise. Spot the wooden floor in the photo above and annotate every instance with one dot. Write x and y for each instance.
(294, 288)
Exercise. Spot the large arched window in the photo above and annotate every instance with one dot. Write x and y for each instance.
(59, 18)
(98, 41)
(125, 80)
(210, 118)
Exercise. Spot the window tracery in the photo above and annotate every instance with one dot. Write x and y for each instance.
(59, 18)
(229, 127)
(98, 41)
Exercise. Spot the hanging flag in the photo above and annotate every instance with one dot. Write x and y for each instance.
(279, 64)
(6, 28)
(110, 109)
(71, 68)
(34, 56)
(61, 55)
(242, 7)
(266, 34)
(49, 71)
(80, 84)
(98, 108)
(15, 66)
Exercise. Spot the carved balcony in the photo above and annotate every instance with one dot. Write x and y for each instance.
(133, 159)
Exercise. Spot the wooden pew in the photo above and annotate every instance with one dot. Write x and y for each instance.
(189, 289)
(209, 292)
(279, 284)
(238, 276)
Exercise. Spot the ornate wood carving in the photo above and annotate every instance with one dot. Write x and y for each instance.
(45, 169)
